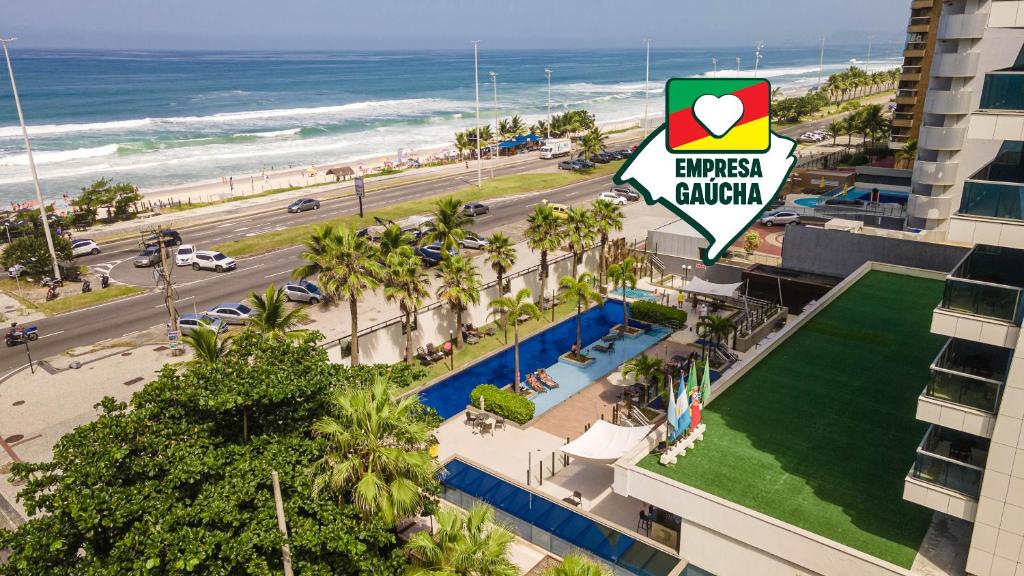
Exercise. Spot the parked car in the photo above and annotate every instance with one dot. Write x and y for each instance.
(171, 238)
(190, 321)
(626, 192)
(612, 197)
(431, 253)
(149, 256)
(561, 210)
(303, 291)
(232, 313)
(623, 154)
(84, 247)
(780, 217)
(602, 158)
(475, 209)
(304, 204)
(183, 257)
(584, 164)
(474, 241)
(15, 271)
(209, 260)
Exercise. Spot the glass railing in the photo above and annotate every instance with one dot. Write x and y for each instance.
(993, 200)
(964, 389)
(948, 473)
(983, 299)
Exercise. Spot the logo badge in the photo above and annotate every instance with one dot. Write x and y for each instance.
(715, 162)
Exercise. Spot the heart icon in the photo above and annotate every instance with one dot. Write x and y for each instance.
(718, 114)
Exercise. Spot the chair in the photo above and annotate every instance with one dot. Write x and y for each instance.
(470, 418)
(486, 426)
(499, 423)
(434, 353)
(424, 358)
(643, 525)
(575, 500)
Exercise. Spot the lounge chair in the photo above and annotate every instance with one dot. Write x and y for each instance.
(611, 337)
(469, 330)
(602, 348)
(546, 379)
(434, 353)
(425, 359)
(499, 423)
(533, 383)
(575, 500)
(490, 330)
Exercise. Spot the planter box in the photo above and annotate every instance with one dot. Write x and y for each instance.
(574, 361)
(631, 331)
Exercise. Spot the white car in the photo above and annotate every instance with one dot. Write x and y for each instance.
(473, 241)
(84, 248)
(232, 313)
(780, 217)
(183, 257)
(209, 260)
(612, 197)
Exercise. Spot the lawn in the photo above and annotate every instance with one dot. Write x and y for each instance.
(495, 188)
(821, 433)
(69, 301)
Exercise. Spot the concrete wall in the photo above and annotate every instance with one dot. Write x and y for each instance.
(838, 253)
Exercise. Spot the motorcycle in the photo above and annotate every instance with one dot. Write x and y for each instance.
(15, 336)
(51, 282)
(104, 281)
(86, 286)
(52, 293)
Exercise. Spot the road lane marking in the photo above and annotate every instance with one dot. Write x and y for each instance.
(176, 301)
(277, 274)
(51, 334)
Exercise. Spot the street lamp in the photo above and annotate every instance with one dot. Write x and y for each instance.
(31, 160)
(757, 56)
(497, 137)
(714, 62)
(476, 82)
(547, 72)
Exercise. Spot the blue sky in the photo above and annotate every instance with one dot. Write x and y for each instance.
(432, 24)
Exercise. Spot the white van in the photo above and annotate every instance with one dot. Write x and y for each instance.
(555, 148)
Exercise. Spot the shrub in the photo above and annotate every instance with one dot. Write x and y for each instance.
(504, 403)
(32, 252)
(657, 314)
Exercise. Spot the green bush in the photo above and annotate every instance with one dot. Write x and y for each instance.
(504, 403)
(657, 314)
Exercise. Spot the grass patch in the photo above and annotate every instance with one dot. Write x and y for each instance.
(821, 433)
(495, 188)
(193, 205)
(70, 302)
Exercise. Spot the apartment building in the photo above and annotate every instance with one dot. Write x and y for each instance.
(969, 176)
(917, 61)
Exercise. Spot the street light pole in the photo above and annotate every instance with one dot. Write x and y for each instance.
(714, 62)
(647, 80)
(31, 160)
(476, 81)
(757, 56)
(497, 136)
(821, 61)
(547, 72)
(737, 66)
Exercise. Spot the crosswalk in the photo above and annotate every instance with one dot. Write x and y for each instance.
(104, 268)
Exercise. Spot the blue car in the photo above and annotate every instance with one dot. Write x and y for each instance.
(431, 253)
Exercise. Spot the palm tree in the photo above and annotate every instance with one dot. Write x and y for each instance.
(447, 226)
(501, 255)
(545, 233)
(375, 455)
(836, 128)
(406, 283)
(849, 128)
(776, 94)
(906, 155)
(582, 290)
(607, 218)
(540, 128)
(504, 129)
(347, 265)
(576, 565)
(463, 143)
(580, 231)
(460, 287)
(272, 315)
(592, 143)
(516, 126)
(393, 238)
(469, 545)
(873, 120)
(519, 306)
(623, 275)
(717, 327)
(206, 346)
(646, 369)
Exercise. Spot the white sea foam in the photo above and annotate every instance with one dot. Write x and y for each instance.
(272, 133)
(58, 156)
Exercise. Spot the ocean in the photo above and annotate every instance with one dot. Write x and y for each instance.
(163, 118)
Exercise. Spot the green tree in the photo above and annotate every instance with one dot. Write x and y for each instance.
(514, 308)
(623, 275)
(347, 266)
(608, 218)
(580, 231)
(459, 288)
(544, 232)
(463, 143)
(716, 327)
(206, 345)
(393, 238)
(32, 253)
(272, 316)
(501, 255)
(577, 565)
(836, 128)
(465, 545)
(517, 127)
(751, 242)
(647, 369)
(406, 283)
(592, 143)
(447, 226)
(908, 154)
(580, 289)
(375, 452)
(873, 121)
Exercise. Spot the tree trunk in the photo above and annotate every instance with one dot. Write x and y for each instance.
(625, 311)
(408, 337)
(354, 310)
(543, 272)
(575, 261)
(604, 258)
(501, 281)
(515, 332)
(579, 327)
(458, 328)
(245, 425)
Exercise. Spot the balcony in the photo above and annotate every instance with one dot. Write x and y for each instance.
(948, 102)
(993, 200)
(969, 374)
(986, 283)
(954, 26)
(952, 460)
(914, 49)
(942, 138)
(919, 4)
(942, 173)
(955, 64)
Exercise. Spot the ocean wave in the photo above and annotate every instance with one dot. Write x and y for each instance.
(271, 134)
(58, 156)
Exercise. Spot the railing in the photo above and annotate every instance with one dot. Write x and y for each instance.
(983, 299)
(948, 473)
(636, 415)
(964, 389)
(993, 199)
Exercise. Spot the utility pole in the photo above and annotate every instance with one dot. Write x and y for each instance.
(31, 160)
(476, 82)
(497, 135)
(282, 526)
(547, 72)
(714, 62)
(821, 61)
(737, 66)
(647, 80)
(165, 271)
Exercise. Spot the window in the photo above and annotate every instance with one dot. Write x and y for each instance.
(1004, 89)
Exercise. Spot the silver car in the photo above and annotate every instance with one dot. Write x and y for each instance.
(780, 217)
(232, 313)
(474, 241)
(148, 257)
(190, 321)
(303, 291)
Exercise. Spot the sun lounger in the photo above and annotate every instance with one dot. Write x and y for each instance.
(534, 384)
(547, 380)
(425, 359)
(602, 348)
(611, 337)
(435, 353)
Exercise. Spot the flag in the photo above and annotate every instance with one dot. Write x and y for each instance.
(731, 115)
(683, 421)
(670, 415)
(705, 386)
(691, 380)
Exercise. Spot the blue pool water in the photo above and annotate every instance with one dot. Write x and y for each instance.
(887, 197)
(550, 525)
(451, 395)
(637, 294)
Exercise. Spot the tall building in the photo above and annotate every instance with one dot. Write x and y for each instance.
(969, 176)
(917, 61)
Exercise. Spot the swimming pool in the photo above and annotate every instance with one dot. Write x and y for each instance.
(451, 395)
(552, 526)
(637, 294)
(886, 197)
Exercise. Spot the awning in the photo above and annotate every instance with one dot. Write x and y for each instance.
(702, 286)
(605, 442)
(341, 171)
(519, 141)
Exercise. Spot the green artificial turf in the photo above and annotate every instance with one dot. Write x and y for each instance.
(821, 433)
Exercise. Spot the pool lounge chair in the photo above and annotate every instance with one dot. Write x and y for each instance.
(435, 353)
(546, 379)
(425, 358)
(534, 384)
(602, 348)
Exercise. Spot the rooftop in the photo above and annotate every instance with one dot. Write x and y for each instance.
(821, 432)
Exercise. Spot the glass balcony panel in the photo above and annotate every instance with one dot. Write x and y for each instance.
(952, 459)
(1003, 92)
(993, 200)
(973, 392)
(991, 300)
(948, 474)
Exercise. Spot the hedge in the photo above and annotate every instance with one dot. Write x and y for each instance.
(504, 403)
(657, 314)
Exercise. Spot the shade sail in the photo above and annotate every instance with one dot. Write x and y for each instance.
(605, 442)
(702, 286)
